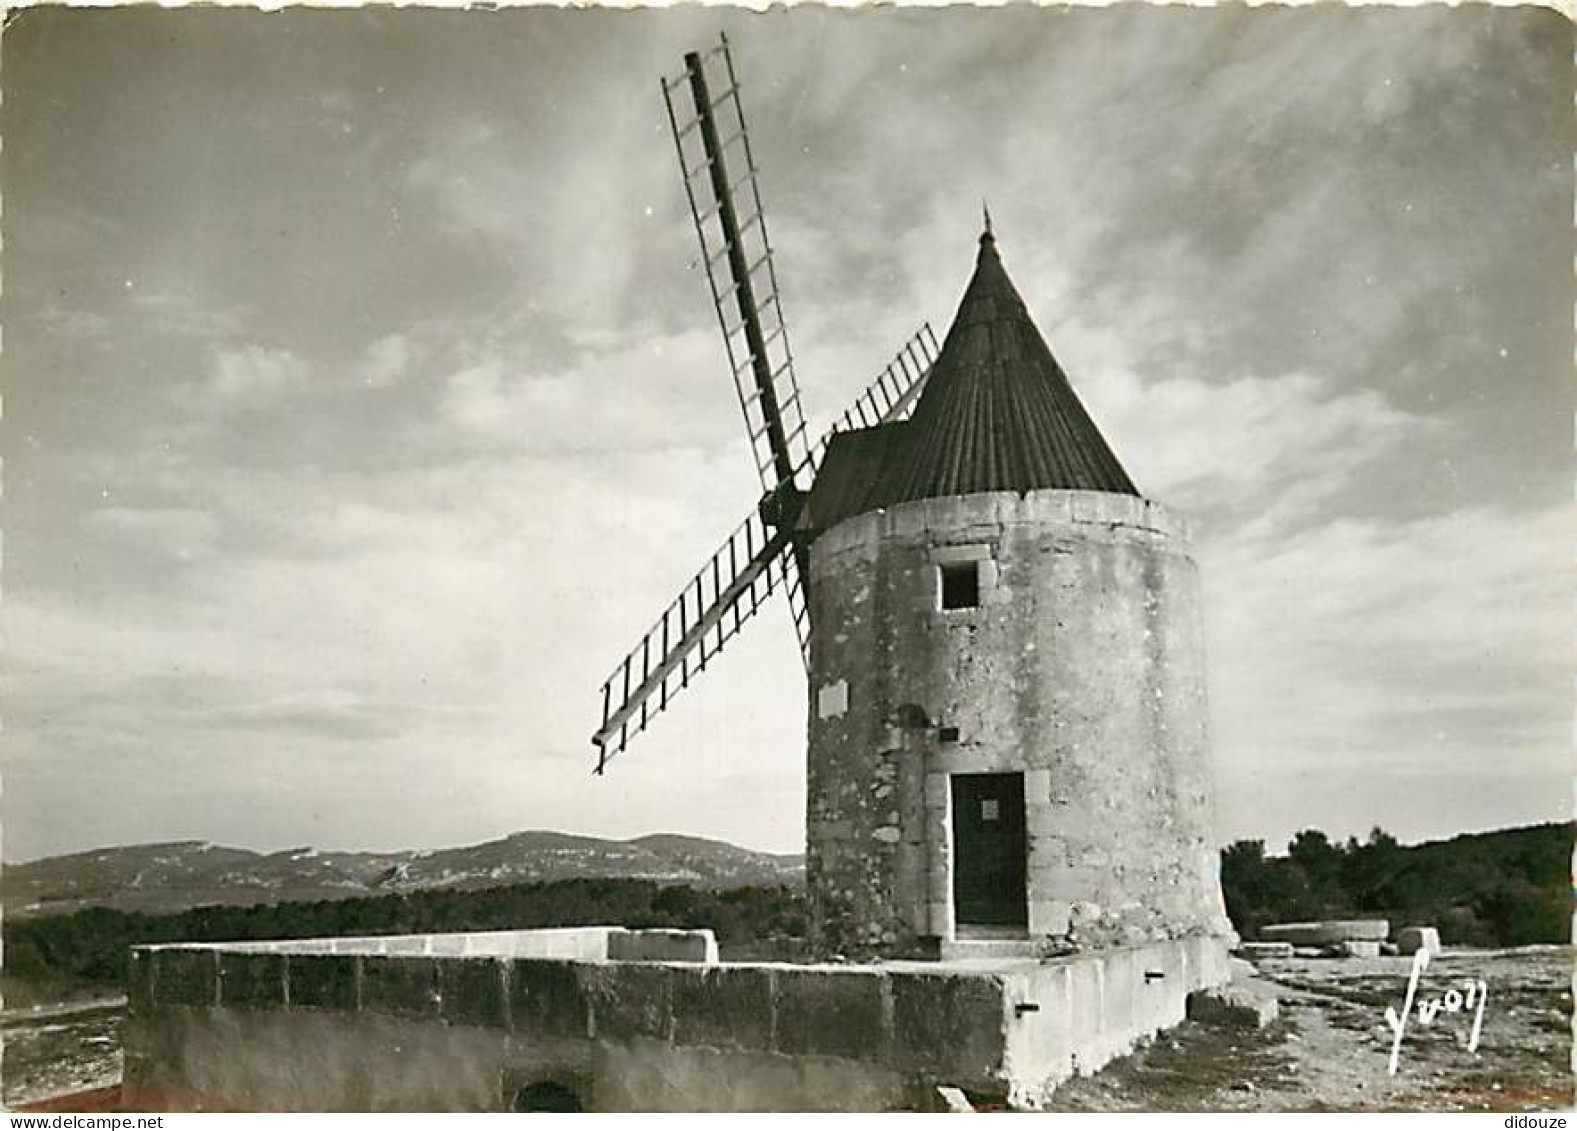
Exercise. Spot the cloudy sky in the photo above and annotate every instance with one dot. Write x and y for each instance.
(363, 401)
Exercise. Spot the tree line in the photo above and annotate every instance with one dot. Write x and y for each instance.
(88, 948)
(1504, 888)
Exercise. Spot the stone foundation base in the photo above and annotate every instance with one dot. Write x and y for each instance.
(543, 1020)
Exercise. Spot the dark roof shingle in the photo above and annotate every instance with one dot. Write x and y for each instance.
(997, 414)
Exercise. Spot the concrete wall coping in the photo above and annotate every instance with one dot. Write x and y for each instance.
(973, 967)
(591, 944)
(981, 967)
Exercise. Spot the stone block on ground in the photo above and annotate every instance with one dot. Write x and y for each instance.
(1246, 1003)
(186, 976)
(1409, 940)
(546, 998)
(662, 946)
(629, 999)
(723, 1007)
(251, 979)
(1253, 950)
(139, 983)
(1360, 948)
(949, 1022)
(1326, 931)
(472, 991)
(395, 985)
(954, 1100)
(321, 981)
(824, 1012)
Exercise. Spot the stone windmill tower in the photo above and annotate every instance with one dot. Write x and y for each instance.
(1007, 749)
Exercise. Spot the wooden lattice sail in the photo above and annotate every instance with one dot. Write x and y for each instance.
(764, 554)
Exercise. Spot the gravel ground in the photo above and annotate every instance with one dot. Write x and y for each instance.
(1330, 1048)
(51, 1051)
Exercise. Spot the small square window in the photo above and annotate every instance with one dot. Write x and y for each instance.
(961, 586)
(990, 809)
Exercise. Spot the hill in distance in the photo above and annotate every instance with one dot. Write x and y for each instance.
(160, 878)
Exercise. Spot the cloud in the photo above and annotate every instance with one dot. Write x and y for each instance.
(387, 361)
(661, 392)
(181, 313)
(255, 376)
(1422, 644)
(180, 531)
(1267, 450)
(579, 226)
(71, 321)
(444, 445)
(323, 713)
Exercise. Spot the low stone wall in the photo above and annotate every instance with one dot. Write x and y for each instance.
(308, 1026)
(1325, 932)
(1093, 1008)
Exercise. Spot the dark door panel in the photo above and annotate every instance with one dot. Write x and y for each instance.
(989, 850)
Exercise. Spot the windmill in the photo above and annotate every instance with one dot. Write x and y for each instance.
(762, 555)
(1007, 741)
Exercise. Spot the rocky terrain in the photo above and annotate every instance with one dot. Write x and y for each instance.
(1327, 1052)
(60, 1050)
(1330, 1049)
(160, 878)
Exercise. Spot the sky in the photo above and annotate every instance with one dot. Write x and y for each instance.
(363, 401)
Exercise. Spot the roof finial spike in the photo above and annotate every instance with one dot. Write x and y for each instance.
(985, 210)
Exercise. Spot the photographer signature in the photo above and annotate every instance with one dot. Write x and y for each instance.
(1473, 996)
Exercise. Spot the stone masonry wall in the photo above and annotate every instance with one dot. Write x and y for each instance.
(473, 1022)
(1082, 667)
(318, 1027)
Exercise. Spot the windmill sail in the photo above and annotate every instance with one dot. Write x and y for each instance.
(762, 553)
(753, 561)
(720, 184)
(709, 610)
(890, 397)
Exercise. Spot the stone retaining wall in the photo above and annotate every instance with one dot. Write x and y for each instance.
(311, 1026)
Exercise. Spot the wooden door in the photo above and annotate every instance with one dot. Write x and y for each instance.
(990, 854)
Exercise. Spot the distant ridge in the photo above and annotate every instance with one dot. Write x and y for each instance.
(173, 876)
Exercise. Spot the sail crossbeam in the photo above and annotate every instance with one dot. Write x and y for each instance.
(709, 611)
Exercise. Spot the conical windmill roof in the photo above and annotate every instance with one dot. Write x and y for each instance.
(997, 414)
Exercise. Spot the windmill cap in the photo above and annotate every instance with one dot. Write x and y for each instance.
(998, 414)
